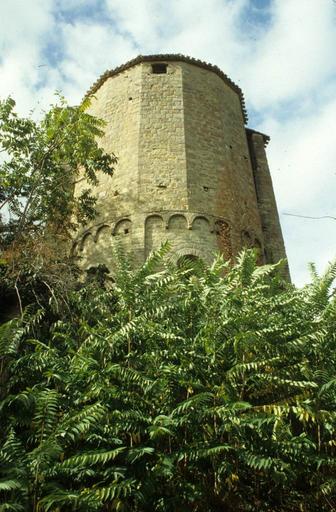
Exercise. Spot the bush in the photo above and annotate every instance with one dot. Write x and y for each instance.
(180, 389)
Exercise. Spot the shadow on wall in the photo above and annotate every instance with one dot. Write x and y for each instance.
(195, 235)
(95, 247)
(190, 234)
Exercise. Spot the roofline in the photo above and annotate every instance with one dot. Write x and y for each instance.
(169, 57)
(265, 137)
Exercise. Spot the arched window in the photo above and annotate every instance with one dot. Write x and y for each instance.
(122, 228)
(154, 233)
(177, 222)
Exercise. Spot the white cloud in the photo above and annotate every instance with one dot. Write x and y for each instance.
(23, 21)
(85, 58)
(24, 27)
(139, 20)
(205, 30)
(295, 55)
(211, 32)
(308, 240)
(302, 155)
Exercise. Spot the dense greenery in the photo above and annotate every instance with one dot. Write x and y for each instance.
(172, 390)
(169, 389)
(41, 162)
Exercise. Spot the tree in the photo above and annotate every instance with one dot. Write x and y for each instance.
(176, 389)
(42, 161)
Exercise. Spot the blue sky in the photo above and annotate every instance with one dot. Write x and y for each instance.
(280, 52)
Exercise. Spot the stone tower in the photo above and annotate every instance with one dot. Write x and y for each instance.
(188, 170)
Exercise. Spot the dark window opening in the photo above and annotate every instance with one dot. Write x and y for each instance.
(126, 231)
(159, 69)
(206, 189)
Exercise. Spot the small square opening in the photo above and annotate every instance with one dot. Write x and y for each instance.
(159, 68)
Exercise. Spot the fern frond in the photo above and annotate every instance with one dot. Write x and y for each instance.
(123, 489)
(97, 457)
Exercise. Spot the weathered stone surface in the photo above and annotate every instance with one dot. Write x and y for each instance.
(188, 171)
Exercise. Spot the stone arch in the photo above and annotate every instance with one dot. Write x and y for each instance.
(122, 228)
(223, 234)
(200, 223)
(75, 248)
(187, 252)
(154, 220)
(101, 231)
(154, 229)
(85, 240)
(103, 240)
(188, 258)
(177, 222)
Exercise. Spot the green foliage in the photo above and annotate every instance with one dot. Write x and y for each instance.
(41, 163)
(175, 389)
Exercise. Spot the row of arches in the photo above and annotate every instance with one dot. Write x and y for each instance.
(121, 228)
(180, 221)
(207, 232)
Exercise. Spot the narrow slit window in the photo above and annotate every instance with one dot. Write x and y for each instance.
(159, 68)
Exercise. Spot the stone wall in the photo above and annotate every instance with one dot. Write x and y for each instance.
(162, 158)
(184, 171)
(273, 241)
(220, 179)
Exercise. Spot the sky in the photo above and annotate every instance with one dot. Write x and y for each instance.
(280, 52)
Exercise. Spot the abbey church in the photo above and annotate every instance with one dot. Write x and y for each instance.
(188, 171)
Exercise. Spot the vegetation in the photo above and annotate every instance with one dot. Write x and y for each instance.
(41, 163)
(173, 390)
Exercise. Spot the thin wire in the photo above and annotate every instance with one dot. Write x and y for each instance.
(310, 217)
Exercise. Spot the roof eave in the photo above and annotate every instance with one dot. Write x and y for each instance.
(169, 58)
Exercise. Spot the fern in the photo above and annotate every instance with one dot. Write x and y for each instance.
(96, 457)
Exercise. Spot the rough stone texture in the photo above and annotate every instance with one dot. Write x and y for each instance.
(187, 172)
(273, 240)
(177, 57)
